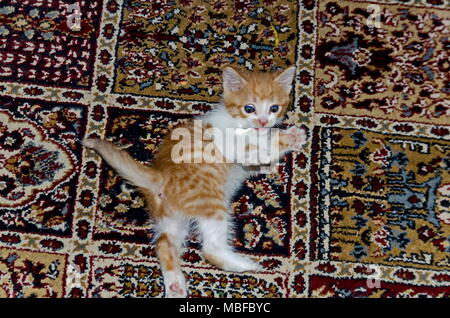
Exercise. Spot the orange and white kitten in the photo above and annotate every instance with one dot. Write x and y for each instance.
(179, 193)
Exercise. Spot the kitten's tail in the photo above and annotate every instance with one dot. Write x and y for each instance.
(128, 168)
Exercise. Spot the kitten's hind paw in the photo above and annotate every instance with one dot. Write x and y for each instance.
(175, 285)
(176, 291)
(237, 263)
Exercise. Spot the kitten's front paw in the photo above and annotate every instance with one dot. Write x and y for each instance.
(297, 137)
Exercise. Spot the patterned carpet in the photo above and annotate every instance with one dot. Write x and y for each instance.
(364, 211)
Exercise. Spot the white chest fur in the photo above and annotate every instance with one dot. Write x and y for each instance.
(221, 119)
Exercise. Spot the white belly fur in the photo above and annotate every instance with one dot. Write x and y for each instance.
(236, 176)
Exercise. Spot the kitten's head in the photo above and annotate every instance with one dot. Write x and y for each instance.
(257, 99)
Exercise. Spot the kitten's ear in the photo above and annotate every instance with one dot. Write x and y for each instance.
(232, 81)
(285, 78)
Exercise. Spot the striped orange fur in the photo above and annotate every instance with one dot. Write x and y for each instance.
(177, 193)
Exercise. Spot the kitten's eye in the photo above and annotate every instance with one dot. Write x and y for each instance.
(249, 109)
(274, 108)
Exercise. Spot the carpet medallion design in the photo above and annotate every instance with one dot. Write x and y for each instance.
(39, 156)
(362, 211)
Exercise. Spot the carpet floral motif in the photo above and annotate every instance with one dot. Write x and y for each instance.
(388, 198)
(326, 287)
(37, 45)
(28, 274)
(112, 278)
(197, 38)
(398, 71)
(361, 211)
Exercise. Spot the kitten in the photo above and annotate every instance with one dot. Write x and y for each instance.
(177, 194)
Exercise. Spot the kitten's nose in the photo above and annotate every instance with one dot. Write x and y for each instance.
(262, 122)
